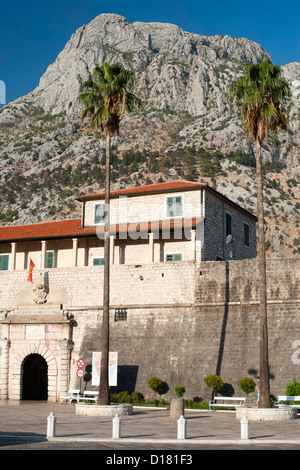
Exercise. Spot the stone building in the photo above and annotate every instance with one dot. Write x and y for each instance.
(175, 221)
(170, 299)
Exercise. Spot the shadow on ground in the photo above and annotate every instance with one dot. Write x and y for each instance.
(10, 438)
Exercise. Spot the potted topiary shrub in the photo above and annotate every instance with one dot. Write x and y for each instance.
(247, 385)
(155, 384)
(177, 404)
(215, 382)
(179, 390)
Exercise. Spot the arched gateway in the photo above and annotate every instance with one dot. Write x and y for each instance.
(35, 347)
(35, 376)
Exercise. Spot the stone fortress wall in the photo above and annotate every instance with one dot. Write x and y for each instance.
(185, 320)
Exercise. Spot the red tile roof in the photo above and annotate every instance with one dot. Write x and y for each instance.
(72, 228)
(148, 189)
(62, 228)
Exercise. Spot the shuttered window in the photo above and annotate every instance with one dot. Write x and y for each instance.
(99, 213)
(174, 257)
(4, 262)
(246, 235)
(50, 259)
(174, 206)
(228, 227)
(98, 261)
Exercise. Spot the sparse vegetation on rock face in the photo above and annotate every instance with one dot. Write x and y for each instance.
(187, 128)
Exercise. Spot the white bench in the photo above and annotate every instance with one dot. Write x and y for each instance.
(287, 398)
(227, 401)
(88, 395)
(72, 395)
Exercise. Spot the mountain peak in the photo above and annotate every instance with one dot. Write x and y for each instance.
(187, 127)
(176, 63)
(110, 18)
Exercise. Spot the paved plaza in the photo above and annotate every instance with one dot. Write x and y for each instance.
(23, 426)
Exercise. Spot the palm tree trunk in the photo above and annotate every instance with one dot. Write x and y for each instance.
(104, 385)
(264, 401)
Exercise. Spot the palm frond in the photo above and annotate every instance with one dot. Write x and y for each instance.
(262, 92)
(105, 97)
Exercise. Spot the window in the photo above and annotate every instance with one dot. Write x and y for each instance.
(246, 235)
(228, 227)
(174, 206)
(4, 262)
(98, 261)
(174, 257)
(120, 314)
(49, 259)
(99, 213)
(122, 254)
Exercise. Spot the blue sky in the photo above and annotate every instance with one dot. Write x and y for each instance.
(33, 33)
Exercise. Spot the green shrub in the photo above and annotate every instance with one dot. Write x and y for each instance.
(123, 397)
(214, 381)
(114, 398)
(199, 405)
(179, 390)
(293, 389)
(137, 397)
(247, 385)
(155, 384)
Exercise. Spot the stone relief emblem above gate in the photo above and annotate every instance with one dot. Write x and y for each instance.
(43, 292)
(40, 293)
(41, 289)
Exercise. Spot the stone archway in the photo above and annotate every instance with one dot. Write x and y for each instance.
(35, 378)
(18, 370)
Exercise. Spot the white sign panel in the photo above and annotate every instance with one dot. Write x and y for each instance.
(35, 331)
(112, 368)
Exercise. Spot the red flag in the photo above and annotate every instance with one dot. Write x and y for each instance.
(31, 266)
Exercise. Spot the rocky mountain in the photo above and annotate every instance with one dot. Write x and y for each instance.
(188, 127)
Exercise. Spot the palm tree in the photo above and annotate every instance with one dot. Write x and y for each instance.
(262, 92)
(106, 100)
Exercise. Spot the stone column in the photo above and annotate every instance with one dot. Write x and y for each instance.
(75, 251)
(85, 243)
(4, 344)
(12, 261)
(193, 244)
(112, 250)
(44, 249)
(65, 363)
(151, 248)
(52, 377)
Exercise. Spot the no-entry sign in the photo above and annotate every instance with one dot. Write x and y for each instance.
(80, 371)
(80, 363)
